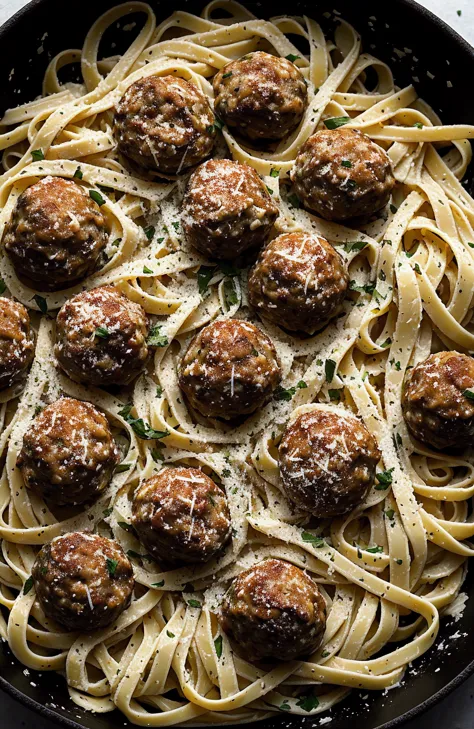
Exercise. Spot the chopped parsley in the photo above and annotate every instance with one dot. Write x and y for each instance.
(78, 174)
(96, 197)
(111, 566)
(334, 395)
(294, 200)
(204, 275)
(329, 369)
(418, 125)
(3, 286)
(336, 122)
(308, 702)
(285, 706)
(149, 232)
(374, 550)
(291, 57)
(312, 539)
(37, 155)
(41, 303)
(274, 172)
(155, 339)
(122, 467)
(140, 427)
(357, 245)
(227, 75)
(158, 584)
(230, 293)
(170, 634)
(389, 513)
(393, 208)
(28, 585)
(218, 645)
(147, 270)
(384, 479)
(102, 333)
(346, 163)
(469, 394)
(282, 393)
(194, 603)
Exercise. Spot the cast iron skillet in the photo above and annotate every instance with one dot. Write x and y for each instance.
(437, 57)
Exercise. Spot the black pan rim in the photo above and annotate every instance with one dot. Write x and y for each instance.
(64, 721)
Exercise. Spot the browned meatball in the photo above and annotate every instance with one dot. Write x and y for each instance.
(164, 123)
(56, 233)
(437, 404)
(342, 174)
(327, 462)
(16, 342)
(101, 337)
(262, 96)
(68, 454)
(274, 610)
(298, 282)
(227, 209)
(181, 515)
(83, 581)
(230, 369)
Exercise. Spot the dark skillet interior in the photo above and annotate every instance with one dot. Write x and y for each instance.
(398, 24)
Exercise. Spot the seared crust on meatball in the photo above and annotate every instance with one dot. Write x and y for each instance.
(230, 369)
(68, 454)
(83, 581)
(262, 96)
(327, 462)
(101, 337)
(164, 123)
(16, 342)
(342, 174)
(298, 282)
(227, 209)
(56, 233)
(435, 406)
(274, 610)
(181, 516)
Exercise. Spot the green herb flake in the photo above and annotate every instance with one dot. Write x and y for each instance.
(389, 513)
(78, 174)
(309, 702)
(469, 394)
(312, 539)
(194, 603)
(155, 339)
(301, 385)
(417, 268)
(230, 293)
(28, 585)
(384, 479)
(274, 172)
(399, 561)
(357, 245)
(291, 57)
(334, 395)
(218, 645)
(374, 550)
(387, 343)
(107, 512)
(140, 427)
(418, 125)
(41, 303)
(3, 286)
(102, 333)
(336, 122)
(111, 566)
(346, 163)
(329, 369)
(227, 75)
(122, 467)
(204, 275)
(294, 200)
(149, 232)
(96, 197)
(158, 584)
(170, 634)
(285, 394)
(269, 190)
(285, 706)
(37, 155)
(393, 208)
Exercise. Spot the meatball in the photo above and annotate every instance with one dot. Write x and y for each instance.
(227, 209)
(230, 369)
(164, 123)
(327, 462)
(101, 337)
(298, 282)
(68, 454)
(83, 581)
(436, 402)
(56, 234)
(261, 96)
(274, 610)
(181, 516)
(16, 342)
(341, 174)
